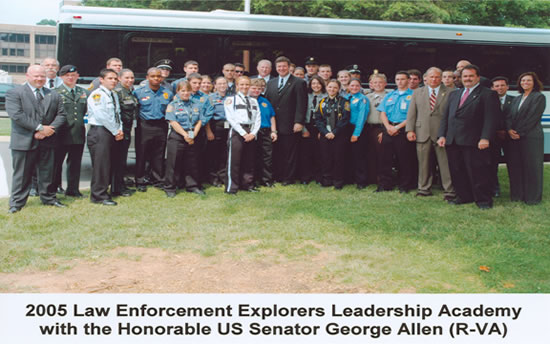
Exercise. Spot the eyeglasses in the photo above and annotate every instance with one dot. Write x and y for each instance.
(239, 71)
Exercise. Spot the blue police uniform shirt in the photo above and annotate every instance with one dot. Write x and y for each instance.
(360, 108)
(396, 105)
(152, 104)
(205, 109)
(175, 84)
(216, 110)
(185, 112)
(266, 112)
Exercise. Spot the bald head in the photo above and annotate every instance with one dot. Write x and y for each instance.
(461, 64)
(36, 76)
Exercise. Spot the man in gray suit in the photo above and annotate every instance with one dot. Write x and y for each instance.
(423, 118)
(36, 113)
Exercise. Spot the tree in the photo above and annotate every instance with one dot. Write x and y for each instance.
(50, 22)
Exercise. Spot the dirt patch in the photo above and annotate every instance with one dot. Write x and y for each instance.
(145, 270)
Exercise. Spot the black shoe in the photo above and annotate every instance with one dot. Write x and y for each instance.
(60, 190)
(76, 194)
(421, 194)
(196, 191)
(267, 185)
(170, 194)
(141, 188)
(233, 193)
(13, 210)
(216, 184)
(458, 201)
(381, 189)
(123, 193)
(287, 183)
(252, 189)
(449, 198)
(484, 206)
(33, 193)
(56, 204)
(339, 187)
(361, 186)
(109, 202)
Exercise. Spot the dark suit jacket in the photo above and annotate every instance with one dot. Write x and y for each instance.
(527, 119)
(23, 109)
(75, 108)
(475, 120)
(506, 107)
(290, 104)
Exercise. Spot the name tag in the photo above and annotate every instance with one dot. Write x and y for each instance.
(403, 105)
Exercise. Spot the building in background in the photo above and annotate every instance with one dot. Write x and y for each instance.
(25, 45)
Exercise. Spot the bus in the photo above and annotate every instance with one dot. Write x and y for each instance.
(88, 36)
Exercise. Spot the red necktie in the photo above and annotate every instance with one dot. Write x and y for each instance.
(433, 98)
(464, 97)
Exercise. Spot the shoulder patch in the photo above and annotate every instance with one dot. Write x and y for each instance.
(91, 87)
(169, 108)
(96, 96)
(165, 95)
(229, 101)
(264, 104)
(409, 97)
(346, 106)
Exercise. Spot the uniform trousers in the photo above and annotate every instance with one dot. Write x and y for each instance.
(119, 151)
(150, 148)
(240, 163)
(333, 160)
(217, 152)
(359, 157)
(287, 152)
(496, 148)
(101, 145)
(404, 151)
(525, 160)
(181, 162)
(264, 157)
(310, 156)
(373, 150)
(424, 152)
(470, 173)
(26, 163)
(73, 153)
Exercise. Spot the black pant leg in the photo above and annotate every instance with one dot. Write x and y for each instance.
(100, 142)
(247, 164)
(459, 175)
(235, 145)
(289, 156)
(46, 163)
(24, 164)
(74, 165)
(386, 161)
(174, 157)
(191, 165)
(478, 161)
(60, 153)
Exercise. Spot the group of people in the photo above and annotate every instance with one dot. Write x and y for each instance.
(241, 133)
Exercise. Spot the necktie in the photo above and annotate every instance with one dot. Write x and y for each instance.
(248, 109)
(433, 98)
(51, 83)
(464, 97)
(72, 93)
(117, 119)
(281, 83)
(502, 103)
(40, 99)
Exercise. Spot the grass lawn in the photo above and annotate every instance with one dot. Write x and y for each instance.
(387, 242)
(5, 127)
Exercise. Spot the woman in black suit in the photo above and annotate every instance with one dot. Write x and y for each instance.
(526, 147)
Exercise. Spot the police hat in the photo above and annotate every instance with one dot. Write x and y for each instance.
(67, 69)
(164, 64)
(353, 69)
(310, 60)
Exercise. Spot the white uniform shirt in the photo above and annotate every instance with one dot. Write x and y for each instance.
(236, 113)
(103, 112)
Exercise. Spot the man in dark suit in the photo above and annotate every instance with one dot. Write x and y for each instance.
(467, 129)
(500, 86)
(36, 113)
(288, 95)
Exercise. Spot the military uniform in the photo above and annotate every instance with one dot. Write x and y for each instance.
(151, 132)
(180, 155)
(332, 116)
(396, 106)
(243, 114)
(71, 138)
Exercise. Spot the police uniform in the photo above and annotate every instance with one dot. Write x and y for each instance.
(105, 123)
(151, 132)
(264, 147)
(332, 116)
(71, 138)
(360, 108)
(180, 155)
(200, 99)
(243, 114)
(216, 150)
(396, 105)
(129, 110)
(310, 153)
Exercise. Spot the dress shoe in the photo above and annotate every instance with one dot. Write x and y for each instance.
(421, 194)
(458, 201)
(56, 204)
(33, 193)
(76, 194)
(60, 190)
(448, 198)
(109, 202)
(141, 188)
(484, 206)
(252, 189)
(232, 193)
(170, 194)
(196, 191)
(123, 193)
(13, 210)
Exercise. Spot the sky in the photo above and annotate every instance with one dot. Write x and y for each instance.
(28, 12)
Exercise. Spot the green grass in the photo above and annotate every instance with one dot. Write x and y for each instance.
(5, 127)
(382, 242)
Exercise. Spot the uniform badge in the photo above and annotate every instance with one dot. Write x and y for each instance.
(165, 95)
(346, 106)
(195, 109)
(201, 99)
(355, 101)
(83, 95)
(97, 97)
(169, 108)
(409, 97)
(229, 101)
(264, 104)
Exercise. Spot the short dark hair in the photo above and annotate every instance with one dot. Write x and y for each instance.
(238, 64)
(471, 67)
(336, 81)
(282, 59)
(403, 72)
(499, 78)
(194, 76)
(321, 81)
(103, 73)
(415, 72)
(536, 81)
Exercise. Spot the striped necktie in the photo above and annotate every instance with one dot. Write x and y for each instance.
(464, 97)
(281, 83)
(433, 99)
